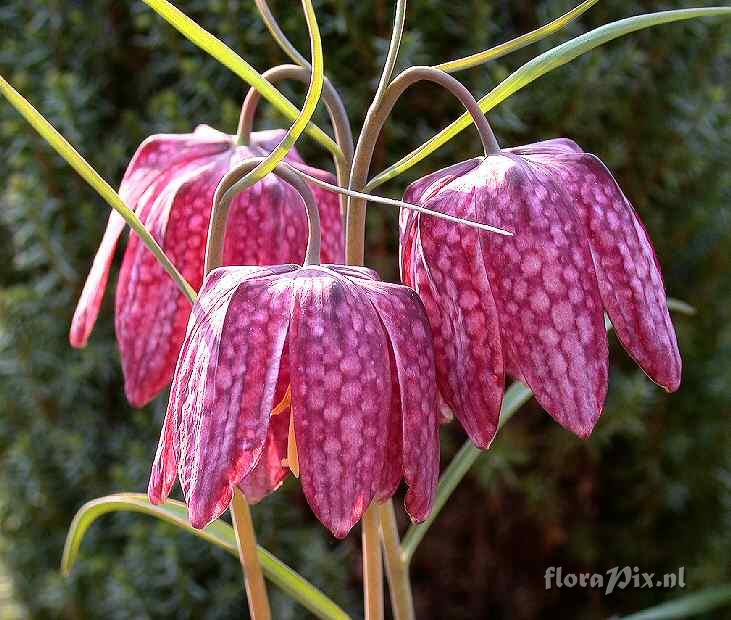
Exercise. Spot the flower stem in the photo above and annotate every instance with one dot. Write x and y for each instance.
(393, 48)
(333, 103)
(273, 26)
(237, 180)
(256, 592)
(397, 569)
(372, 128)
(372, 565)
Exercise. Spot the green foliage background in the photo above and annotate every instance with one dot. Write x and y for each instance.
(651, 488)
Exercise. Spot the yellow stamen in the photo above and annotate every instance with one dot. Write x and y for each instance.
(285, 402)
(292, 459)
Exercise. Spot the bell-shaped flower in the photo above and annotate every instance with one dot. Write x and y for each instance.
(324, 370)
(532, 305)
(170, 184)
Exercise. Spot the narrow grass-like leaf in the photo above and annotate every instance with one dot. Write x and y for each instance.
(218, 533)
(517, 43)
(539, 66)
(227, 57)
(308, 109)
(687, 606)
(92, 177)
(515, 397)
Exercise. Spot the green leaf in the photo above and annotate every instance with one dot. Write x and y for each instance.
(218, 533)
(517, 43)
(92, 177)
(515, 397)
(687, 606)
(308, 109)
(539, 66)
(227, 57)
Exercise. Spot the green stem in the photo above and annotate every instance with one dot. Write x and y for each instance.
(278, 34)
(393, 48)
(372, 127)
(243, 526)
(372, 565)
(397, 569)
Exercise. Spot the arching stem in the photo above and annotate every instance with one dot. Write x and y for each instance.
(231, 185)
(398, 29)
(354, 243)
(278, 34)
(355, 236)
(333, 103)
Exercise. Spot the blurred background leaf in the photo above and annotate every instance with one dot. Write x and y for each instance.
(651, 488)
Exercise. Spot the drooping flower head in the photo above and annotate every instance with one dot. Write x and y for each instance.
(170, 184)
(322, 370)
(532, 305)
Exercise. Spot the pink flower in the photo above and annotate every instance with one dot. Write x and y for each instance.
(170, 184)
(533, 305)
(354, 353)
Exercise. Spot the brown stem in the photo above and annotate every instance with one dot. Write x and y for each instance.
(372, 565)
(372, 127)
(256, 592)
(333, 103)
(227, 189)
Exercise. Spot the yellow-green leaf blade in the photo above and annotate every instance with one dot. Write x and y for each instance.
(230, 59)
(539, 66)
(218, 533)
(687, 606)
(92, 177)
(517, 43)
(314, 91)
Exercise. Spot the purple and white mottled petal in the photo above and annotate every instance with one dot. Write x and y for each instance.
(151, 312)
(267, 223)
(228, 405)
(552, 146)
(165, 466)
(271, 470)
(155, 163)
(331, 219)
(450, 276)
(545, 288)
(627, 268)
(404, 317)
(341, 395)
(393, 464)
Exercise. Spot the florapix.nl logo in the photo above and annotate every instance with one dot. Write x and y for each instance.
(616, 578)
